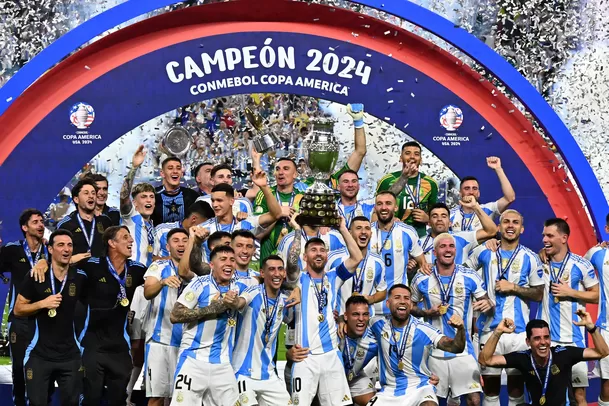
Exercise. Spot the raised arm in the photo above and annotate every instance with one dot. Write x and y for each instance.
(600, 350)
(259, 178)
(355, 255)
(407, 171)
(455, 345)
(356, 111)
(487, 357)
(125, 197)
(489, 228)
(191, 263)
(292, 266)
(506, 187)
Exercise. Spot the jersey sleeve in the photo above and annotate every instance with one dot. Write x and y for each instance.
(385, 183)
(589, 278)
(535, 271)
(260, 205)
(415, 294)
(4, 260)
(193, 292)
(157, 241)
(433, 193)
(380, 270)
(154, 271)
(478, 288)
(250, 294)
(28, 288)
(491, 208)
(470, 237)
(473, 262)
(336, 242)
(415, 247)
(342, 272)
(246, 206)
(254, 224)
(433, 334)
(518, 360)
(283, 248)
(575, 354)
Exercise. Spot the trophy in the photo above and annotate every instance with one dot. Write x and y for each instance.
(318, 205)
(176, 141)
(264, 140)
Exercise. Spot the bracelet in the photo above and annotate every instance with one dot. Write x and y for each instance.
(592, 330)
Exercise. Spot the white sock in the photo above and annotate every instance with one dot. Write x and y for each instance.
(602, 403)
(135, 374)
(491, 401)
(516, 401)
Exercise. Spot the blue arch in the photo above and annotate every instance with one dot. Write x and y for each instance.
(461, 39)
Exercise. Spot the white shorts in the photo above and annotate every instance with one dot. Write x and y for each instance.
(507, 343)
(603, 364)
(415, 397)
(160, 362)
(270, 392)
(138, 312)
(459, 374)
(361, 385)
(322, 375)
(199, 382)
(579, 372)
(372, 370)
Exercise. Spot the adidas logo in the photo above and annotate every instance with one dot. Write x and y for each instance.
(102, 279)
(22, 260)
(48, 290)
(78, 230)
(430, 397)
(577, 380)
(346, 398)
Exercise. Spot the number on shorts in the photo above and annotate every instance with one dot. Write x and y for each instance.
(372, 401)
(183, 379)
(150, 374)
(241, 386)
(296, 385)
(388, 260)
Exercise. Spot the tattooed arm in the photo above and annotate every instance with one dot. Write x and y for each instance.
(182, 314)
(407, 172)
(455, 345)
(125, 199)
(191, 263)
(293, 270)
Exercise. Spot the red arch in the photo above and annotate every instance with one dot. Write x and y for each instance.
(167, 29)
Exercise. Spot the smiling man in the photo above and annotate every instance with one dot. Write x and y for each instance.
(545, 368)
(171, 199)
(101, 182)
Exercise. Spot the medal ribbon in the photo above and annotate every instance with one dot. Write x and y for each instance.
(358, 280)
(444, 294)
(426, 248)
(350, 359)
(149, 232)
(63, 283)
(556, 278)
(231, 313)
(321, 294)
(121, 282)
(88, 238)
(306, 237)
(342, 212)
(416, 192)
(218, 227)
(270, 316)
(466, 226)
(380, 234)
(502, 270)
(545, 382)
(402, 349)
(28, 253)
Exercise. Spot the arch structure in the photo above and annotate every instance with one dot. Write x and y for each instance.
(58, 112)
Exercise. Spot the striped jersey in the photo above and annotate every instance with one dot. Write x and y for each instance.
(411, 342)
(209, 340)
(579, 274)
(257, 331)
(524, 270)
(394, 247)
(334, 241)
(144, 238)
(159, 328)
(241, 204)
(599, 258)
(160, 241)
(460, 289)
(369, 277)
(315, 325)
(461, 221)
(251, 223)
(358, 352)
(360, 208)
(465, 242)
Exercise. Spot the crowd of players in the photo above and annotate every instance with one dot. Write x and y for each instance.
(406, 294)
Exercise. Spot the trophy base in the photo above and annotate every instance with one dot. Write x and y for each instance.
(318, 208)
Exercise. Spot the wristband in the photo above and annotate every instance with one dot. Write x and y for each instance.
(358, 123)
(592, 330)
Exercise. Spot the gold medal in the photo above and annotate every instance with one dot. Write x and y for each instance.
(52, 312)
(542, 400)
(442, 309)
(556, 300)
(321, 318)
(232, 322)
(350, 376)
(400, 365)
(284, 231)
(124, 302)
(150, 249)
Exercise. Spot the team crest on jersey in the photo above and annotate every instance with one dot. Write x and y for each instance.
(565, 277)
(359, 353)
(474, 385)
(374, 247)
(515, 265)
(258, 210)
(387, 245)
(296, 400)
(554, 369)
(190, 296)
(100, 228)
(385, 335)
(459, 289)
(243, 399)
(180, 397)
(129, 281)
(72, 289)
(29, 374)
(153, 267)
(369, 274)
(606, 263)
(398, 246)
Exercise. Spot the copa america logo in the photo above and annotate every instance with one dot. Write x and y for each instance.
(451, 117)
(82, 115)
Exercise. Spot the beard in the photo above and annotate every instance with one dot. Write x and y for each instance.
(385, 221)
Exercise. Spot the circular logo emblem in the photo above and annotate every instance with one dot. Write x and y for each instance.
(451, 117)
(82, 115)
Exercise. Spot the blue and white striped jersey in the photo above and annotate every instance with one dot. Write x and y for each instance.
(579, 274)
(251, 223)
(209, 340)
(461, 289)
(143, 244)
(599, 258)
(160, 242)
(524, 270)
(334, 241)
(257, 330)
(360, 208)
(241, 204)
(413, 339)
(357, 353)
(461, 221)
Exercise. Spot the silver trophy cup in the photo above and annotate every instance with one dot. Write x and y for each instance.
(176, 141)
